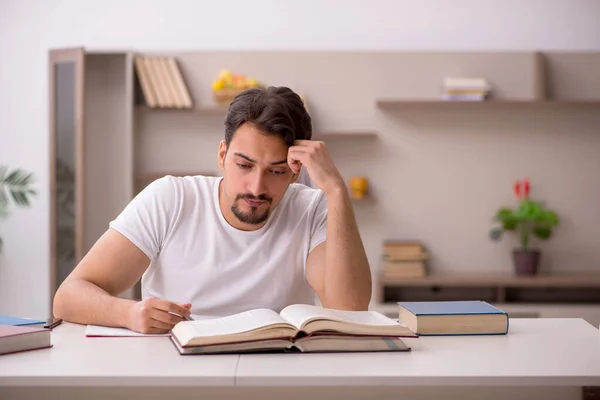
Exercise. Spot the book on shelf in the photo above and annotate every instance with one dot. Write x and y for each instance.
(465, 89)
(404, 259)
(404, 269)
(17, 338)
(162, 83)
(405, 255)
(297, 328)
(474, 317)
(404, 250)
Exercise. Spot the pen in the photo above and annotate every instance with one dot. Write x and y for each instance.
(151, 293)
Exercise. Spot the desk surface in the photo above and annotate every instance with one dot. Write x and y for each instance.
(113, 361)
(562, 352)
(536, 352)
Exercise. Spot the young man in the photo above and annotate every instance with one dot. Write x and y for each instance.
(217, 246)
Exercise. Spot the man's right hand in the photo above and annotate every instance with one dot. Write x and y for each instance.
(153, 315)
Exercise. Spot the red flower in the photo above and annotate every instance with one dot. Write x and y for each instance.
(517, 189)
(526, 188)
(522, 189)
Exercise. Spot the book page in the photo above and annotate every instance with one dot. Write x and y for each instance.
(298, 314)
(241, 322)
(109, 331)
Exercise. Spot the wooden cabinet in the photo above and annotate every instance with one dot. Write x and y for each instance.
(91, 145)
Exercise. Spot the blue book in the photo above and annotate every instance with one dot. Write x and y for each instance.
(476, 317)
(15, 321)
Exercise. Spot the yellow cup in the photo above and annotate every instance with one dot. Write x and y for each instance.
(359, 187)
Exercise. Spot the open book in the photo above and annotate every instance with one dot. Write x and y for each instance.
(298, 327)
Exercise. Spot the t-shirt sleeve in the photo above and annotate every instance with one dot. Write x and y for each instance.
(318, 230)
(148, 218)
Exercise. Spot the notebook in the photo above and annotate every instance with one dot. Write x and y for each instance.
(15, 321)
(453, 318)
(109, 331)
(299, 327)
(21, 338)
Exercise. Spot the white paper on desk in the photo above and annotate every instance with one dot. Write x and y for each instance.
(108, 331)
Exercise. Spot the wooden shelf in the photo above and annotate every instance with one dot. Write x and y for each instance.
(387, 103)
(152, 176)
(576, 288)
(506, 280)
(204, 110)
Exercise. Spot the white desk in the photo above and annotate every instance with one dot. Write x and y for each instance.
(539, 358)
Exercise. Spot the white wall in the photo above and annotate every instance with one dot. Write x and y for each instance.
(29, 28)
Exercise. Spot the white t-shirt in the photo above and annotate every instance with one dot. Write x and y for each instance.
(198, 258)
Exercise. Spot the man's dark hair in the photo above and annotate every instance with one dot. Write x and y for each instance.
(274, 110)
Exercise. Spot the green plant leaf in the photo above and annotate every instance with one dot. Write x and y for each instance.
(542, 232)
(16, 183)
(504, 212)
(510, 224)
(508, 219)
(548, 217)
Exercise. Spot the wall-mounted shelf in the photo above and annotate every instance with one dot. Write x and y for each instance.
(204, 110)
(505, 280)
(390, 103)
(152, 176)
(564, 288)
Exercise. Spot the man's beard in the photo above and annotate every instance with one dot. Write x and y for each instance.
(254, 216)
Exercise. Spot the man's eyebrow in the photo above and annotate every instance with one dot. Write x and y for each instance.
(279, 162)
(245, 157)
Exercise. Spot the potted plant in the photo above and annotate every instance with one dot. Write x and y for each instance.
(530, 219)
(16, 185)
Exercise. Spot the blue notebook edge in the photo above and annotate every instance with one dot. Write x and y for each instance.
(17, 321)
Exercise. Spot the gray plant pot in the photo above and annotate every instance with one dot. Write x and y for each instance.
(526, 261)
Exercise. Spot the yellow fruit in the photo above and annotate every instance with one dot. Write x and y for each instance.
(225, 75)
(239, 85)
(217, 85)
(253, 83)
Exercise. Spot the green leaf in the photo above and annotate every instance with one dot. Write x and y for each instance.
(529, 209)
(508, 219)
(542, 232)
(510, 224)
(17, 184)
(548, 217)
(504, 212)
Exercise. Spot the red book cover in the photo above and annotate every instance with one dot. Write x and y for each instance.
(20, 338)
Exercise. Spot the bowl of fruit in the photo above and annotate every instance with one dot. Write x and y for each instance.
(229, 84)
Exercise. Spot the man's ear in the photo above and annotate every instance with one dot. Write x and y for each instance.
(221, 154)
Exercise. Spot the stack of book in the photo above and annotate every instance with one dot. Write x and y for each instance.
(162, 83)
(22, 334)
(465, 89)
(404, 259)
